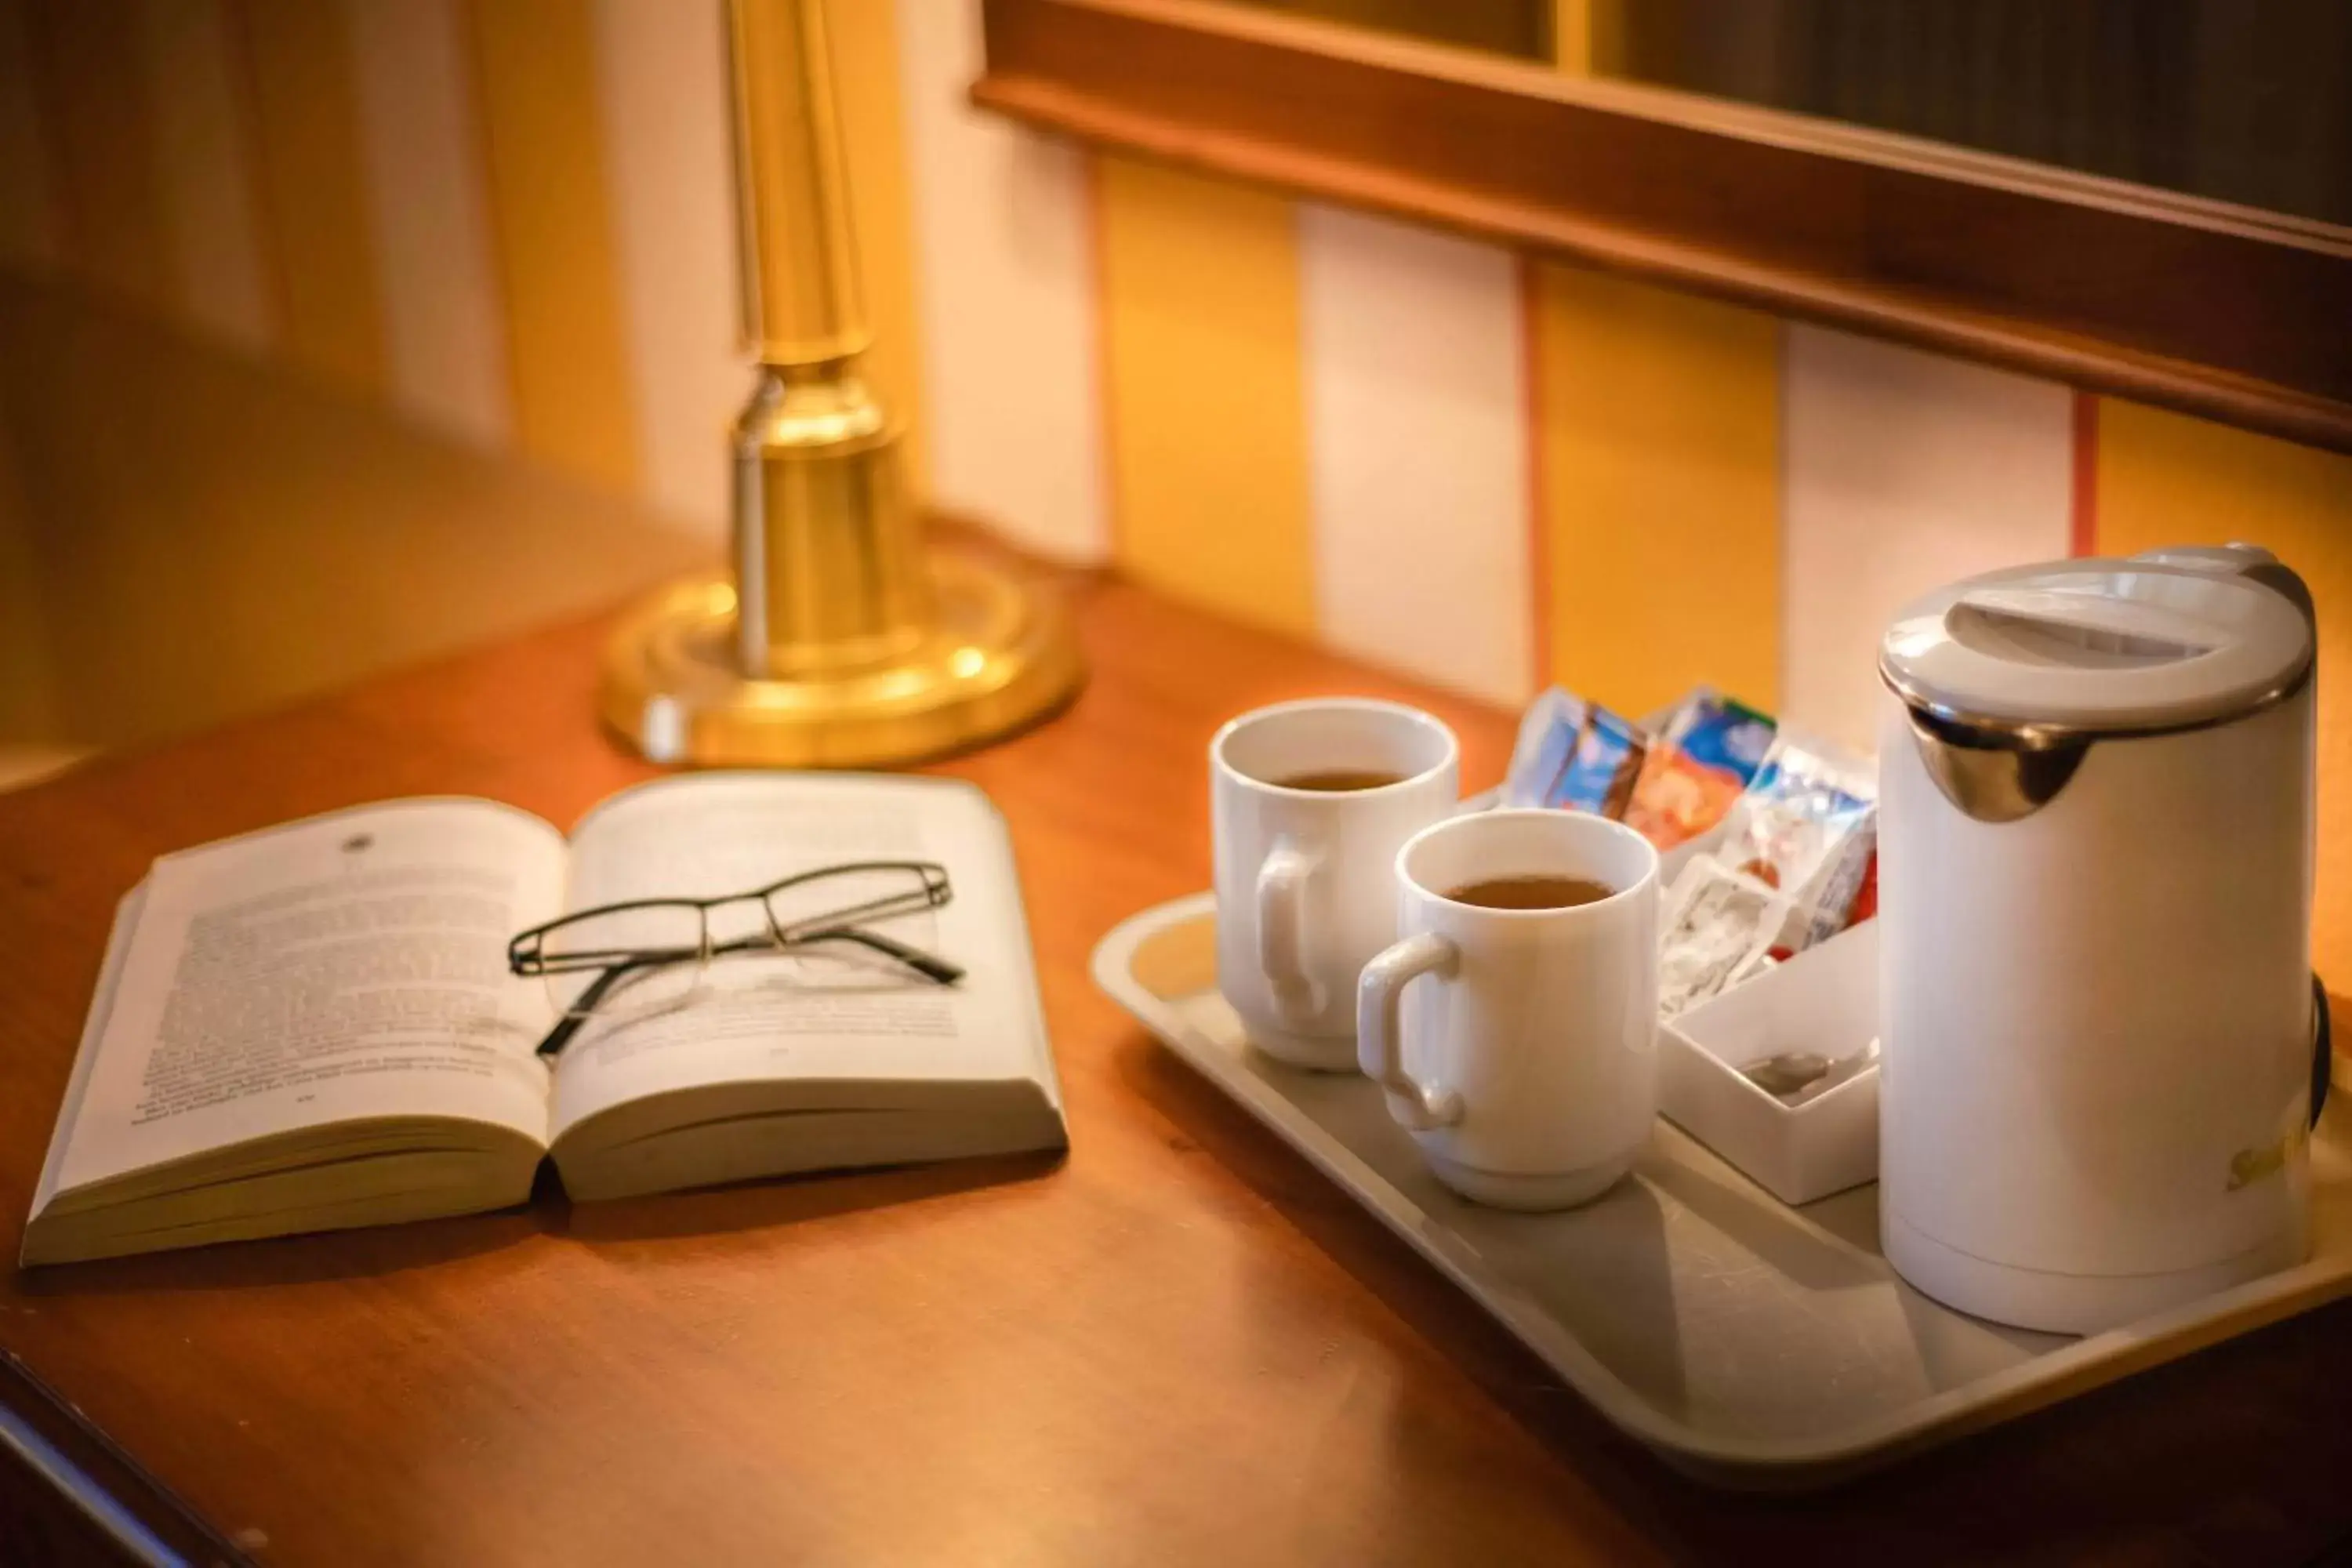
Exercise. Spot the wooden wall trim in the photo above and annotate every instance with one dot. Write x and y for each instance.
(2214, 310)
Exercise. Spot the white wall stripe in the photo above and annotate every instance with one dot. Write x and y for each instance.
(662, 69)
(1417, 461)
(1900, 470)
(29, 225)
(1005, 288)
(421, 146)
(204, 170)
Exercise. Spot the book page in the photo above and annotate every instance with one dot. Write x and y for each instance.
(102, 1008)
(346, 967)
(836, 1013)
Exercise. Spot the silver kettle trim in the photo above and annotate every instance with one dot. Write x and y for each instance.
(1996, 778)
(1999, 770)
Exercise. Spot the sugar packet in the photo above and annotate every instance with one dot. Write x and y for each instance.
(1715, 926)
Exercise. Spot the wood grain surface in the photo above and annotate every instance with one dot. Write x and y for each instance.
(1179, 1345)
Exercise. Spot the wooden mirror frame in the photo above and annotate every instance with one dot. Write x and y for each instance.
(2226, 311)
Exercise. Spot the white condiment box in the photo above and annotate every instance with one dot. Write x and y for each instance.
(1823, 1000)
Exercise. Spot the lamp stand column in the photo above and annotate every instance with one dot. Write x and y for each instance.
(838, 641)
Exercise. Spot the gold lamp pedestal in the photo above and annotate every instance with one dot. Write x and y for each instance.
(838, 641)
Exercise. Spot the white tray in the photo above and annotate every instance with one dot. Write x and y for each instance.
(1749, 1344)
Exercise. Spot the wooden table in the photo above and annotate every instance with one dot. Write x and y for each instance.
(1181, 1345)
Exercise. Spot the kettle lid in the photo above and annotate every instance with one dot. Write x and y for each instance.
(2099, 647)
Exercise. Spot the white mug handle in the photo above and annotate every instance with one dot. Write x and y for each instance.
(1379, 1047)
(1282, 935)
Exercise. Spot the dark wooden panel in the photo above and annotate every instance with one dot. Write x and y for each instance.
(2217, 310)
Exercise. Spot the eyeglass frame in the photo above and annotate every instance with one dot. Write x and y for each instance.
(527, 959)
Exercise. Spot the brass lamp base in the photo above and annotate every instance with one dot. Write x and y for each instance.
(996, 658)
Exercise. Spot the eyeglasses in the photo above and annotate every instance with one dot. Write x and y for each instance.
(630, 960)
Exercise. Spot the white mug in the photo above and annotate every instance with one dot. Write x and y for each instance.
(1303, 893)
(1525, 1060)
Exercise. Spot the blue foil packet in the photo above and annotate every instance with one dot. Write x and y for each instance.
(1574, 755)
(1719, 732)
(1547, 744)
(1602, 769)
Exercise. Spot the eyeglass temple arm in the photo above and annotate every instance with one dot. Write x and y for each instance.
(581, 1006)
(927, 964)
(930, 965)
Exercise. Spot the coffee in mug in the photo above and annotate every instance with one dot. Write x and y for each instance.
(1514, 1024)
(1335, 781)
(1311, 802)
(1531, 892)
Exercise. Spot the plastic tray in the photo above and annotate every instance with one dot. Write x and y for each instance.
(1749, 1344)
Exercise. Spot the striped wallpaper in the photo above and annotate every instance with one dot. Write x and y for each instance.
(509, 219)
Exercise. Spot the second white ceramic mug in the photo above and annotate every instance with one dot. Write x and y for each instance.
(1519, 1047)
(1303, 889)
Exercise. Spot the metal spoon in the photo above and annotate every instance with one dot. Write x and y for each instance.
(1792, 1078)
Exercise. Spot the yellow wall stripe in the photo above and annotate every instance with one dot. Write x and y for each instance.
(1204, 395)
(2166, 479)
(97, 109)
(865, 38)
(313, 194)
(551, 213)
(1658, 489)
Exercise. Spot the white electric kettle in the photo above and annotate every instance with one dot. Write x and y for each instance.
(2097, 1009)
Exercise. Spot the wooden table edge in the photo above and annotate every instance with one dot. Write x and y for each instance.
(47, 1440)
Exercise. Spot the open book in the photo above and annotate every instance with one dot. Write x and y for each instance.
(314, 1026)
